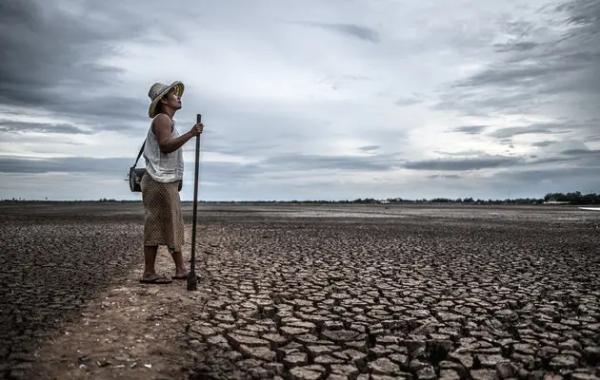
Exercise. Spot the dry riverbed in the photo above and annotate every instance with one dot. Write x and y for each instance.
(304, 292)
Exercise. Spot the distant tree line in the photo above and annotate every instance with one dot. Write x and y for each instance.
(575, 198)
(468, 200)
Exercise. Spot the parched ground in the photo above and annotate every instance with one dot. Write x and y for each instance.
(305, 292)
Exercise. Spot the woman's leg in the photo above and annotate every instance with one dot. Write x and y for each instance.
(179, 265)
(180, 270)
(149, 260)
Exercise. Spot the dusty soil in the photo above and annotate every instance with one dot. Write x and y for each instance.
(306, 292)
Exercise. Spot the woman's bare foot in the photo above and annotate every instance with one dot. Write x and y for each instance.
(153, 278)
(180, 274)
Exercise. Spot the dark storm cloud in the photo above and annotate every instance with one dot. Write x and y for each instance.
(50, 58)
(583, 12)
(55, 58)
(216, 172)
(111, 112)
(353, 30)
(533, 70)
(470, 129)
(9, 126)
(475, 163)
(65, 165)
(272, 164)
(523, 74)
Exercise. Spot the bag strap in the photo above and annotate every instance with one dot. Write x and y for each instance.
(139, 154)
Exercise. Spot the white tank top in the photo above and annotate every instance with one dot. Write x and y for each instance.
(163, 167)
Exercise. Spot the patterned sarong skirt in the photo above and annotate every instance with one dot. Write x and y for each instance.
(163, 220)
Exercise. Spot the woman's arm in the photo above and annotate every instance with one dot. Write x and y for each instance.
(162, 130)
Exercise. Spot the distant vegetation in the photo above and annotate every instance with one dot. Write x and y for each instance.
(575, 198)
(433, 200)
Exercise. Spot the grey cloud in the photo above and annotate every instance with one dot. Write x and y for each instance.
(581, 152)
(517, 29)
(515, 46)
(53, 66)
(462, 154)
(83, 178)
(444, 176)
(369, 148)
(337, 82)
(539, 181)
(534, 70)
(470, 129)
(508, 132)
(407, 101)
(112, 112)
(583, 12)
(53, 58)
(542, 144)
(551, 159)
(10, 126)
(475, 163)
(557, 174)
(224, 172)
(356, 78)
(524, 74)
(65, 164)
(278, 163)
(353, 30)
(470, 101)
(225, 176)
(321, 162)
(49, 48)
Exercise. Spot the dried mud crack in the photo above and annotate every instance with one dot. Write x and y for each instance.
(399, 300)
(48, 271)
(471, 293)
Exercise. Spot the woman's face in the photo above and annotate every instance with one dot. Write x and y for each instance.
(172, 99)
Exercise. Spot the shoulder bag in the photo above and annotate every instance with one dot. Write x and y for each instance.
(136, 174)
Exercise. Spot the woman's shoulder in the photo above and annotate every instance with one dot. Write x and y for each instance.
(162, 119)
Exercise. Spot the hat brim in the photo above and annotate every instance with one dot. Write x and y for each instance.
(152, 108)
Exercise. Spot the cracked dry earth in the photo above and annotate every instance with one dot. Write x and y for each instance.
(471, 293)
(415, 299)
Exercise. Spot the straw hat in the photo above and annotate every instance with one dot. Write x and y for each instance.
(158, 90)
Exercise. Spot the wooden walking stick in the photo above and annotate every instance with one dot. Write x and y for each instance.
(192, 281)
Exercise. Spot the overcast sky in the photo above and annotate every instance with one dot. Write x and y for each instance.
(305, 100)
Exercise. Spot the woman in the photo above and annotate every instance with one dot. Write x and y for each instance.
(160, 185)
